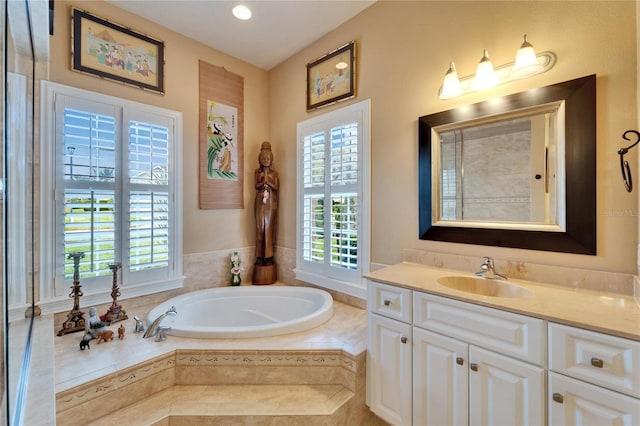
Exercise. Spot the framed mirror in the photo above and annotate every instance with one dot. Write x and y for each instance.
(517, 171)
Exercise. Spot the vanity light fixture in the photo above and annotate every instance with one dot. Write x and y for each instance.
(485, 75)
(241, 12)
(526, 64)
(451, 86)
(526, 56)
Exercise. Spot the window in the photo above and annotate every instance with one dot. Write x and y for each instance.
(333, 199)
(113, 172)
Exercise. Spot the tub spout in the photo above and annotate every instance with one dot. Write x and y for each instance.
(155, 325)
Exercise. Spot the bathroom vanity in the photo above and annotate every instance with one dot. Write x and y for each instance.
(448, 348)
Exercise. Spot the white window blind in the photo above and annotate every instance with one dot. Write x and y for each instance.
(333, 199)
(114, 172)
(89, 142)
(149, 196)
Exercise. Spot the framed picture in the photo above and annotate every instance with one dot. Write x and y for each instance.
(331, 78)
(114, 52)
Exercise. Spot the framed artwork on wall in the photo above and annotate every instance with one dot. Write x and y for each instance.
(331, 78)
(111, 51)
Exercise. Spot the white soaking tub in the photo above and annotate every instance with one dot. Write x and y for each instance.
(245, 311)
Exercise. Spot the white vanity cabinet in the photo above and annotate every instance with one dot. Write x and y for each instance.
(466, 364)
(500, 357)
(594, 378)
(389, 364)
(389, 355)
(440, 379)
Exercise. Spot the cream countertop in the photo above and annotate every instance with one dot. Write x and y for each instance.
(612, 313)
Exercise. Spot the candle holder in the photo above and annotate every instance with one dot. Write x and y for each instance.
(115, 312)
(75, 319)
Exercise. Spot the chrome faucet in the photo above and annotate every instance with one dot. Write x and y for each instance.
(155, 325)
(139, 324)
(487, 270)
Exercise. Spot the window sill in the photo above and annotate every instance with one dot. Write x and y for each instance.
(358, 290)
(62, 304)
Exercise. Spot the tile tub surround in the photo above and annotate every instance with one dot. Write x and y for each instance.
(608, 312)
(211, 269)
(331, 354)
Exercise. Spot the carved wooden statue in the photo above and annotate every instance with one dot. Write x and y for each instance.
(266, 212)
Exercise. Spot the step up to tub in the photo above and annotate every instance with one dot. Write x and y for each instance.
(237, 404)
(222, 387)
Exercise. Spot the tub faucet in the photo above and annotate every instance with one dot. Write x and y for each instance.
(487, 270)
(139, 324)
(155, 325)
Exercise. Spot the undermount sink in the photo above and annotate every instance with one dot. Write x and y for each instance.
(484, 286)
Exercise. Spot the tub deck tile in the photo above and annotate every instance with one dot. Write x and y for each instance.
(346, 331)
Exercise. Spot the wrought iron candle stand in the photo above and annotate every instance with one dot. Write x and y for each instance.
(115, 312)
(75, 319)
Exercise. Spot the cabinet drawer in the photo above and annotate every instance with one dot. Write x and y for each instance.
(609, 361)
(392, 302)
(573, 402)
(511, 334)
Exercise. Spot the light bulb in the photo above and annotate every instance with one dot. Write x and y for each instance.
(526, 55)
(485, 77)
(526, 60)
(451, 85)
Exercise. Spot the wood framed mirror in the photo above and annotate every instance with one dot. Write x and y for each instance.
(480, 184)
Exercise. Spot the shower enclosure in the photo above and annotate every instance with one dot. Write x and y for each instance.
(26, 25)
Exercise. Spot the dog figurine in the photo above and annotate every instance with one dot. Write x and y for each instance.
(105, 336)
(121, 332)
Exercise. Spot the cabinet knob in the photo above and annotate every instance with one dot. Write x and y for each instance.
(473, 366)
(403, 339)
(387, 302)
(460, 360)
(557, 397)
(597, 362)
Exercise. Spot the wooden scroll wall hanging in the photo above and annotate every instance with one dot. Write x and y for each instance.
(221, 121)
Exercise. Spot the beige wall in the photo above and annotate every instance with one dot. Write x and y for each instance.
(204, 230)
(404, 49)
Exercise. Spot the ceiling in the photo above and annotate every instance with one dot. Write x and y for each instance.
(276, 31)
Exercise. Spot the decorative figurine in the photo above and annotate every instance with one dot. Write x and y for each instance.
(115, 312)
(121, 332)
(94, 324)
(85, 342)
(75, 318)
(266, 211)
(236, 279)
(105, 336)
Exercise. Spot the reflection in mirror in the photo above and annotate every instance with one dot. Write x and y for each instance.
(517, 171)
(501, 172)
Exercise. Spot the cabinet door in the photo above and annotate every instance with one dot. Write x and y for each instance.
(440, 380)
(572, 402)
(390, 369)
(504, 391)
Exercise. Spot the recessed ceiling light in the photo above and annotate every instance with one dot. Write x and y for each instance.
(241, 12)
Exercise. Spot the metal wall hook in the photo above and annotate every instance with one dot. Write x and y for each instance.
(624, 165)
